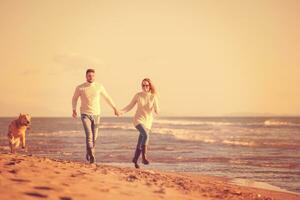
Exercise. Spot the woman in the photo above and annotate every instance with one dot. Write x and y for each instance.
(147, 102)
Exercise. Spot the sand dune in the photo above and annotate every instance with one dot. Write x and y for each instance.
(30, 177)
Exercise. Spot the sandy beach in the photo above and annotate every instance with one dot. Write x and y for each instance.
(31, 177)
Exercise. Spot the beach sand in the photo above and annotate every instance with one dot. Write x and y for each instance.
(30, 177)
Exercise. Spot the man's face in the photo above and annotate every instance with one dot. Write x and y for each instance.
(90, 77)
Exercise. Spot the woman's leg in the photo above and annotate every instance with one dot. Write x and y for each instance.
(138, 149)
(144, 134)
(137, 153)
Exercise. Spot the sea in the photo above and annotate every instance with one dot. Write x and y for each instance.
(261, 149)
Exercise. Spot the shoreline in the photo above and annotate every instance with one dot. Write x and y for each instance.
(260, 185)
(235, 181)
(27, 177)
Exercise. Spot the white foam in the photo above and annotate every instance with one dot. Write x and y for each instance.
(261, 185)
(185, 134)
(240, 143)
(273, 122)
(188, 122)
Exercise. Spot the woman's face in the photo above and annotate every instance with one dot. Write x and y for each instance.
(146, 86)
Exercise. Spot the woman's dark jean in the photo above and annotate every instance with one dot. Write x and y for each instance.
(143, 137)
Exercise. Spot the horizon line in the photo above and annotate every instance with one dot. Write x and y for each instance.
(166, 116)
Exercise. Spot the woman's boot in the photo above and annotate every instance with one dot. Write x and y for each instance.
(144, 155)
(136, 157)
(87, 155)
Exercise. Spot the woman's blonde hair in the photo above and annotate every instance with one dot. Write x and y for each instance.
(152, 87)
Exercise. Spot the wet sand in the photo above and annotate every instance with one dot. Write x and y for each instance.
(30, 177)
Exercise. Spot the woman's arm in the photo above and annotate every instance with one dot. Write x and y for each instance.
(156, 106)
(130, 105)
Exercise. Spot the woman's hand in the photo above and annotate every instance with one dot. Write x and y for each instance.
(121, 112)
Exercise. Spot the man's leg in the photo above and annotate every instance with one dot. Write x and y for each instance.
(87, 125)
(95, 128)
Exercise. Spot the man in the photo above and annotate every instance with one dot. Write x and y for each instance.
(89, 93)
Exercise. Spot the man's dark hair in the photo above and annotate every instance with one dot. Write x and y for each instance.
(89, 70)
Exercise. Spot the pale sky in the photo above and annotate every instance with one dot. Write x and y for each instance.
(206, 58)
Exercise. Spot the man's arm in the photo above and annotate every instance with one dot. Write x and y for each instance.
(74, 102)
(109, 100)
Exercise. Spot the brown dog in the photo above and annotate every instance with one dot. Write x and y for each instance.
(17, 130)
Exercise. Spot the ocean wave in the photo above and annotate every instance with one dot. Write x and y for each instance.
(273, 122)
(228, 135)
(205, 137)
(184, 134)
(240, 143)
(209, 136)
(121, 126)
(58, 133)
(188, 122)
(268, 122)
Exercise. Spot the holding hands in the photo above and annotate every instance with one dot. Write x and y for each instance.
(118, 112)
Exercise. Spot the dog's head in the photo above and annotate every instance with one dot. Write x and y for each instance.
(24, 119)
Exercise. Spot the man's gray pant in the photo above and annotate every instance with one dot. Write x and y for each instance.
(91, 126)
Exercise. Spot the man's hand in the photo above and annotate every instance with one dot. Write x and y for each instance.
(74, 115)
(117, 112)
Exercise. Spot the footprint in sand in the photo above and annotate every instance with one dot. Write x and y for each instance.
(11, 163)
(66, 184)
(43, 188)
(79, 173)
(65, 198)
(17, 159)
(160, 191)
(13, 171)
(126, 193)
(115, 187)
(104, 189)
(131, 178)
(14, 161)
(20, 180)
(36, 194)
